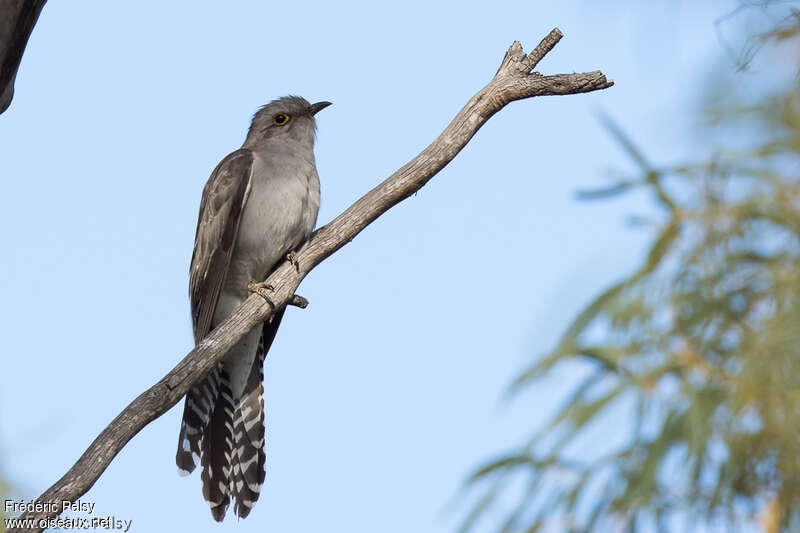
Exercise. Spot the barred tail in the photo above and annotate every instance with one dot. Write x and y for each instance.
(248, 458)
(205, 437)
(197, 411)
(216, 452)
(227, 434)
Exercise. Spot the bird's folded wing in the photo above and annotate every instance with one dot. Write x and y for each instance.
(221, 208)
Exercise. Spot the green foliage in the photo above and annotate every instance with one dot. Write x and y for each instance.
(701, 344)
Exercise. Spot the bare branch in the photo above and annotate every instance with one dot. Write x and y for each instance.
(543, 48)
(17, 18)
(298, 301)
(513, 81)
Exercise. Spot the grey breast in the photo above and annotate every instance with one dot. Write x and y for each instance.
(280, 213)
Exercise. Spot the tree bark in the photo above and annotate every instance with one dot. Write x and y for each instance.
(17, 18)
(513, 81)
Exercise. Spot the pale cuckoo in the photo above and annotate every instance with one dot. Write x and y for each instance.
(260, 203)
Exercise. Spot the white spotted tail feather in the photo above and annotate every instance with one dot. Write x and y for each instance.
(248, 460)
(227, 435)
(205, 436)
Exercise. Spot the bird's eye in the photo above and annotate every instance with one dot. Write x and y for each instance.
(280, 119)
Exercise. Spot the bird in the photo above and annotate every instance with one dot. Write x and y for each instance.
(260, 203)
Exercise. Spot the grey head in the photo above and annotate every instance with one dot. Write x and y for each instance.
(287, 119)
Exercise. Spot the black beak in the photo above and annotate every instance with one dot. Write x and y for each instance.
(313, 109)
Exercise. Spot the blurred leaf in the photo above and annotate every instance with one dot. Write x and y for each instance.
(504, 463)
(481, 506)
(703, 338)
(607, 192)
(626, 143)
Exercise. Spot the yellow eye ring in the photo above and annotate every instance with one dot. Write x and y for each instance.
(281, 119)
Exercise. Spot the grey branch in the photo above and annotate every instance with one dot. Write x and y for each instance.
(298, 301)
(513, 81)
(17, 18)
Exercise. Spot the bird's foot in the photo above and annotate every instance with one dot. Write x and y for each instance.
(292, 258)
(263, 289)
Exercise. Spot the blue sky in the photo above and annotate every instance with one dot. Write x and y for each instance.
(386, 392)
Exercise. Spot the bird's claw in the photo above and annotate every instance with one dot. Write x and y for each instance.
(263, 289)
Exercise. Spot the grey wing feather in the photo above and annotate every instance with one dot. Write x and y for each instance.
(221, 207)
